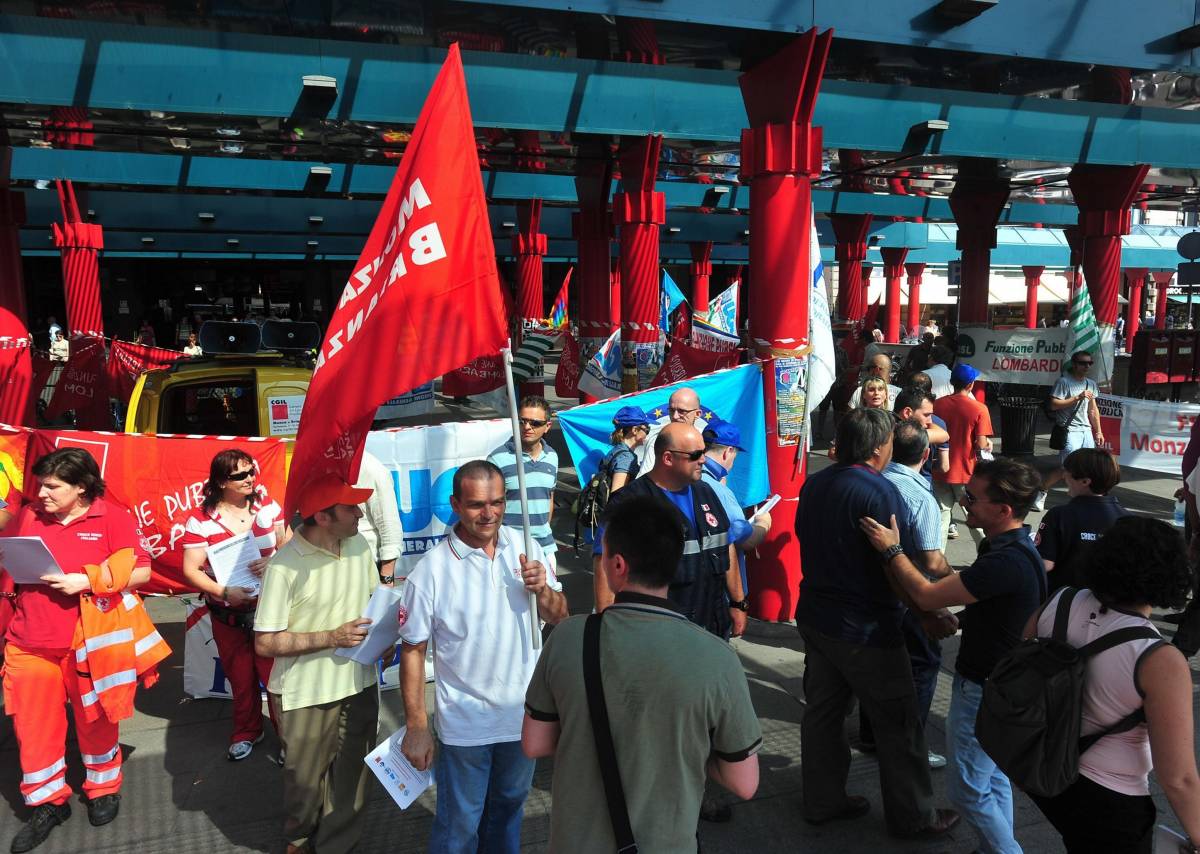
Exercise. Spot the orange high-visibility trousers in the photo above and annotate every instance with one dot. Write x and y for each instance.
(37, 685)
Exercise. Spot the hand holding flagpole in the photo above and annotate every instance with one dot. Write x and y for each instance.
(516, 428)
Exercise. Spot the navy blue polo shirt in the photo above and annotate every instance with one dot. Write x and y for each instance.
(844, 592)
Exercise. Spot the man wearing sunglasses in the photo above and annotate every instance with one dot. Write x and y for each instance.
(541, 474)
(1073, 400)
(683, 407)
(1001, 589)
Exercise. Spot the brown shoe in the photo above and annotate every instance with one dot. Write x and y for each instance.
(943, 822)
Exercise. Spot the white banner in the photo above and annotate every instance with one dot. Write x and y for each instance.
(1147, 434)
(422, 461)
(1033, 356)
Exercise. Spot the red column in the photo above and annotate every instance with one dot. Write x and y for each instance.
(592, 227)
(1136, 276)
(781, 151)
(1103, 195)
(79, 243)
(976, 203)
(850, 230)
(614, 298)
(530, 246)
(893, 269)
(639, 210)
(916, 272)
(1033, 280)
(16, 370)
(1162, 281)
(701, 273)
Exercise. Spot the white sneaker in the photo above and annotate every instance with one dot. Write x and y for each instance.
(1040, 503)
(952, 533)
(240, 750)
(936, 760)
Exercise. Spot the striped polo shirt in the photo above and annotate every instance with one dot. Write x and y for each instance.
(541, 476)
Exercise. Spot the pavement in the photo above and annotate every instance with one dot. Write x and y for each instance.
(181, 794)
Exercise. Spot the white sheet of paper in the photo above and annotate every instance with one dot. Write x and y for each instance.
(769, 504)
(27, 559)
(384, 630)
(230, 561)
(402, 781)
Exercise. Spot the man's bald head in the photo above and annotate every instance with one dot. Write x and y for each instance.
(881, 365)
(676, 445)
(684, 404)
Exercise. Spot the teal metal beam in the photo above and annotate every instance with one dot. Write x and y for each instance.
(56, 62)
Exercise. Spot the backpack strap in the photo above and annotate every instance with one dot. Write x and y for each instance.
(1099, 645)
(1062, 614)
(606, 752)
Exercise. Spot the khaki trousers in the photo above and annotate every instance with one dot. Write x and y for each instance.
(324, 776)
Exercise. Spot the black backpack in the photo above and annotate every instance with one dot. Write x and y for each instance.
(591, 502)
(1032, 710)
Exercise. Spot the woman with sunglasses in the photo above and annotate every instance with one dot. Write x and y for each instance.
(233, 506)
(631, 426)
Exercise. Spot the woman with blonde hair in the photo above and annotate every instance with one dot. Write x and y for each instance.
(875, 394)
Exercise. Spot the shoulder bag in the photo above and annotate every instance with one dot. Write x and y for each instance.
(606, 753)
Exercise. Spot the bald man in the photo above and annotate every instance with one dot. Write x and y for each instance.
(707, 587)
(683, 407)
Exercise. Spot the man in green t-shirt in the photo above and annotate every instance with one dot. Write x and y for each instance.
(677, 699)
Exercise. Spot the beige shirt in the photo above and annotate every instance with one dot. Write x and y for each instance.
(60, 351)
(307, 589)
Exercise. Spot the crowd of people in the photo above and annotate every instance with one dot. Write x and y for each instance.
(644, 704)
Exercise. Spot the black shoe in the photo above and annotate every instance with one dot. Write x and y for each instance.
(44, 819)
(716, 813)
(103, 809)
(856, 807)
(944, 821)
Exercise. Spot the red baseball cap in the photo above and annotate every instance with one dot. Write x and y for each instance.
(327, 490)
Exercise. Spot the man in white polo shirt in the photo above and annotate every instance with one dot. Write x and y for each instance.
(470, 596)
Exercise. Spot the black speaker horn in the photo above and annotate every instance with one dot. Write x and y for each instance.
(290, 335)
(221, 336)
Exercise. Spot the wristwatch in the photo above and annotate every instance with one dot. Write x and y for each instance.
(890, 552)
(387, 579)
(744, 605)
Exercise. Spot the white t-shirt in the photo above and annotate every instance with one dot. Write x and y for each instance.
(940, 375)
(476, 612)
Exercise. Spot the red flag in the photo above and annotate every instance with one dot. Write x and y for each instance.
(686, 361)
(483, 375)
(126, 362)
(566, 378)
(872, 314)
(424, 297)
(82, 381)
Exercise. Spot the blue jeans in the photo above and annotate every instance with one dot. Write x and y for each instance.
(976, 787)
(481, 795)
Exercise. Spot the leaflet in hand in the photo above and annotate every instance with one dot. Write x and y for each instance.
(768, 504)
(402, 781)
(27, 559)
(384, 630)
(230, 561)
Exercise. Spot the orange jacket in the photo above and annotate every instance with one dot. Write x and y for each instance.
(115, 642)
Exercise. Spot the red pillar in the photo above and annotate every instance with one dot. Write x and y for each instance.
(850, 230)
(781, 151)
(1162, 280)
(592, 227)
(1136, 276)
(976, 203)
(639, 210)
(530, 246)
(916, 272)
(16, 369)
(1033, 280)
(893, 269)
(864, 289)
(701, 273)
(80, 242)
(1103, 195)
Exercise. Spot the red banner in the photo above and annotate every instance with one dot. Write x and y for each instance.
(126, 362)
(81, 386)
(566, 378)
(424, 297)
(686, 361)
(483, 374)
(159, 479)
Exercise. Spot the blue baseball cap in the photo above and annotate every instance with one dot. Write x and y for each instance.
(631, 416)
(720, 432)
(964, 373)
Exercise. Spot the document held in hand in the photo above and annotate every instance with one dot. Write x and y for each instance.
(230, 561)
(27, 559)
(402, 781)
(384, 631)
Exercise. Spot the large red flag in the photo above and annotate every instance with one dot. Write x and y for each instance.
(81, 386)
(566, 378)
(424, 297)
(685, 361)
(126, 362)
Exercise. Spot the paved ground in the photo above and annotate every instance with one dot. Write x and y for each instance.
(181, 795)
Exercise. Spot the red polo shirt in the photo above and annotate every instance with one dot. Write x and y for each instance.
(966, 420)
(45, 618)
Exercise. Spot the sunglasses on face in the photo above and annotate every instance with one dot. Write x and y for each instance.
(690, 456)
(532, 422)
(241, 475)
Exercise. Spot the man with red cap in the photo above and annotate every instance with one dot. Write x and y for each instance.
(314, 591)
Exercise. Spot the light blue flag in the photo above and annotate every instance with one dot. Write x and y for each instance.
(669, 299)
(734, 395)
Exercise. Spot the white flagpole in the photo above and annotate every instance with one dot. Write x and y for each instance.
(519, 454)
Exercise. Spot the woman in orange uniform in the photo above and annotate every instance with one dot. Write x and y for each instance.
(232, 506)
(80, 528)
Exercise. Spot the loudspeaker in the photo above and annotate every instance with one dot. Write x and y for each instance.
(288, 335)
(220, 336)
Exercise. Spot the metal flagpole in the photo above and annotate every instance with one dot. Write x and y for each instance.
(519, 454)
